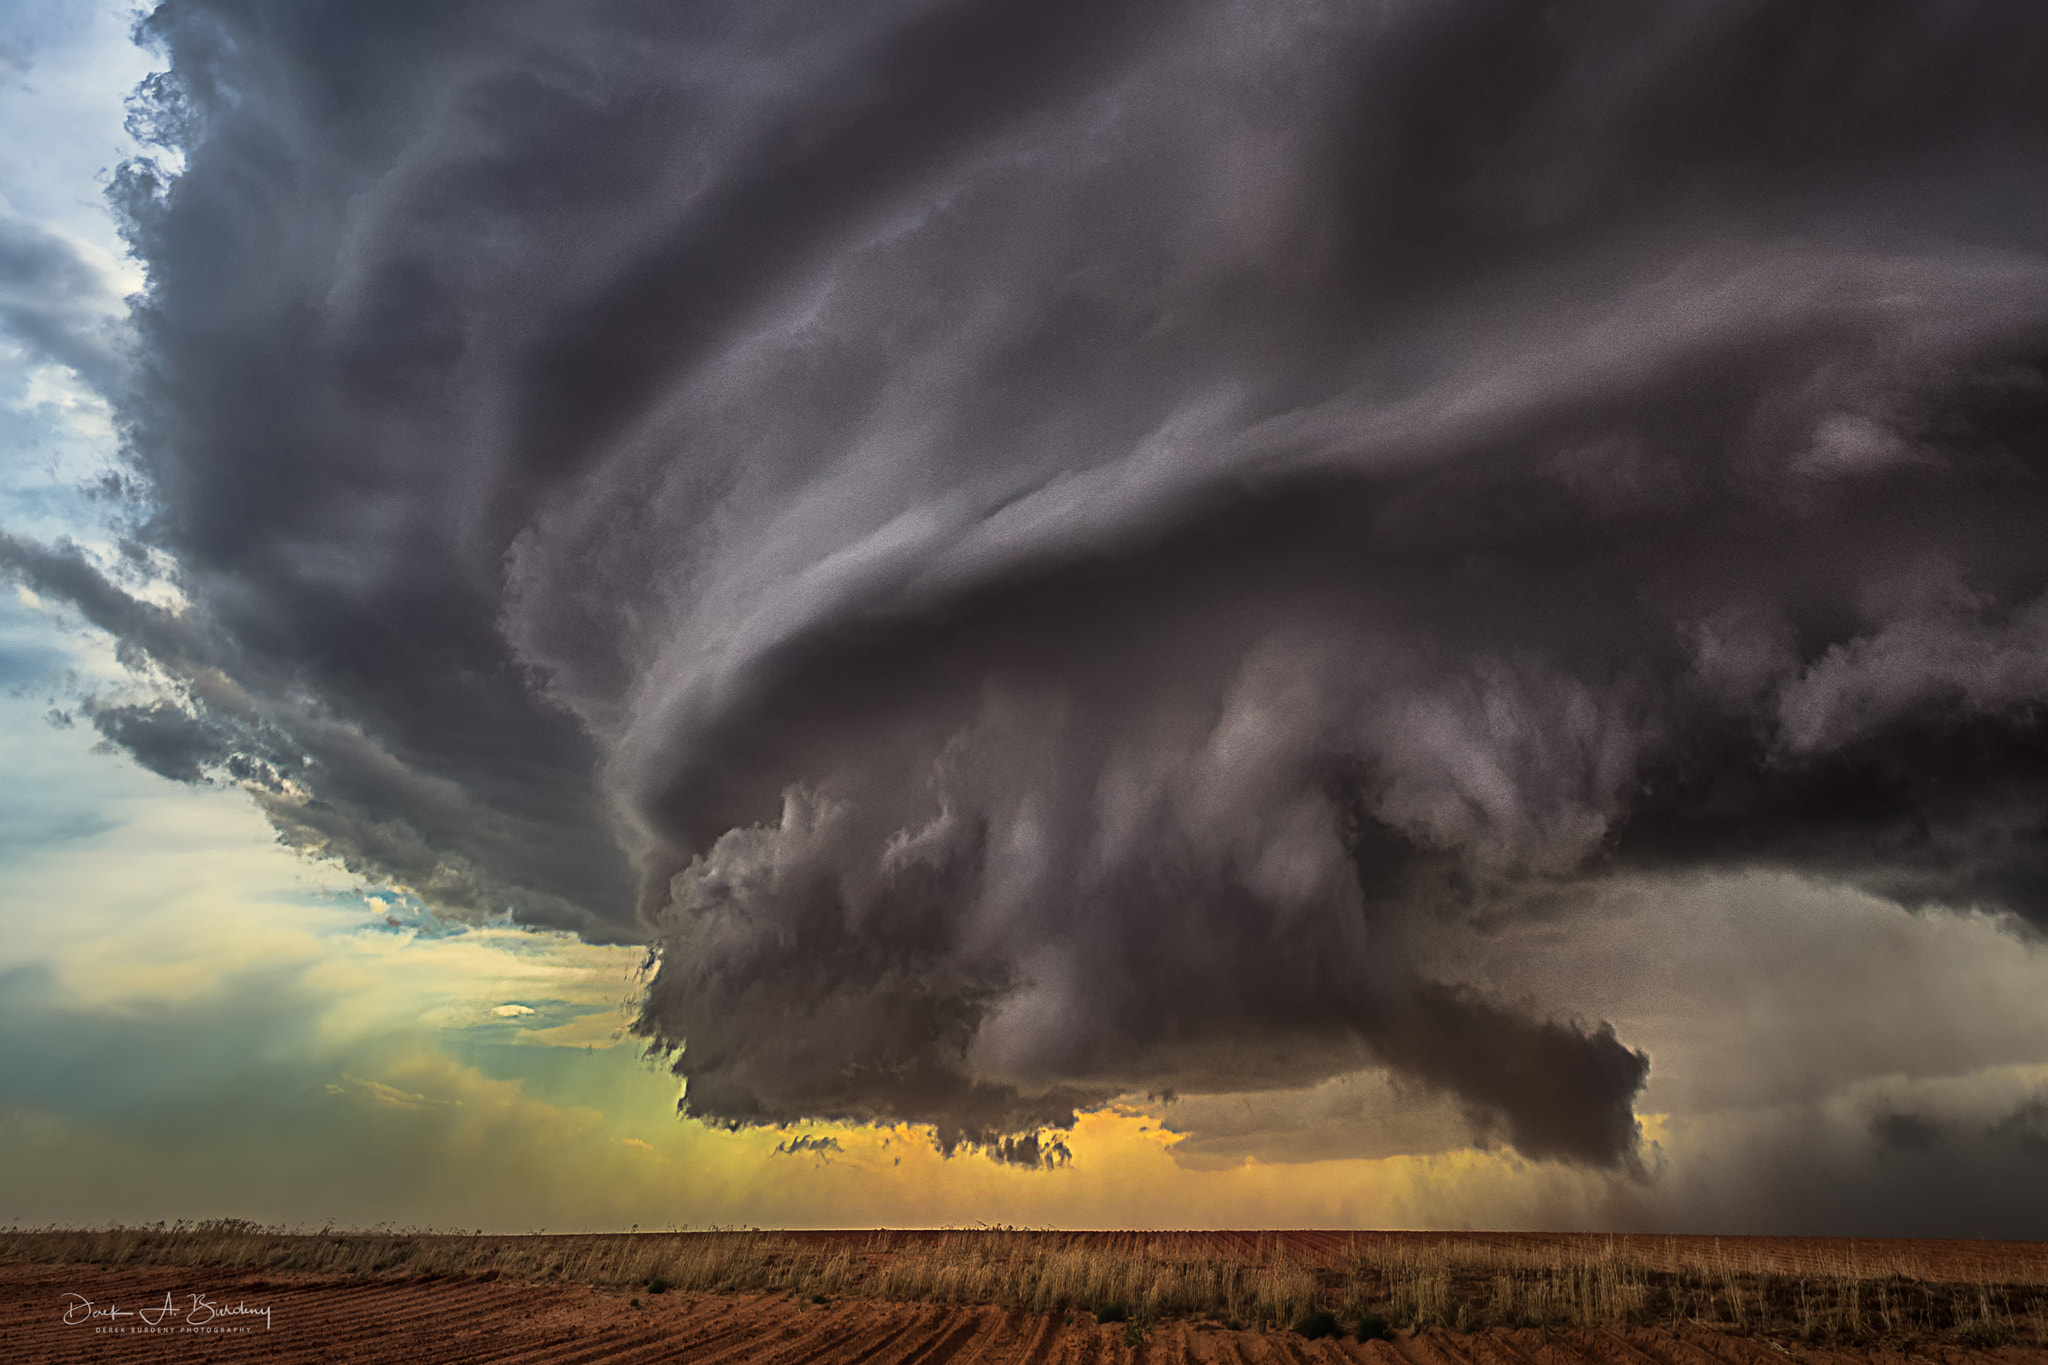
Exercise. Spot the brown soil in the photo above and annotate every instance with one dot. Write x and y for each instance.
(318, 1317)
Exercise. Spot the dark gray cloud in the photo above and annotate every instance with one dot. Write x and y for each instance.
(164, 738)
(54, 304)
(2025, 1129)
(330, 784)
(1068, 548)
(1905, 1133)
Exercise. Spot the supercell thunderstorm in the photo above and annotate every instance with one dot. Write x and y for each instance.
(1038, 551)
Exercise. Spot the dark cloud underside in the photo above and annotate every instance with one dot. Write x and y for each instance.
(1054, 544)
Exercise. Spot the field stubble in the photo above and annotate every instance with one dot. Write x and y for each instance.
(1814, 1290)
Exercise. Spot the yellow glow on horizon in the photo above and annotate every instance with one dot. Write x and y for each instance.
(348, 1066)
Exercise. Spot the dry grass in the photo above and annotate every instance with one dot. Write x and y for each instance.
(1865, 1293)
(1848, 1295)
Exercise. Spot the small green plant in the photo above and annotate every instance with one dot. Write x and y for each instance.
(1373, 1327)
(1111, 1312)
(636, 1303)
(1317, 1324)
(656, 1285)
(1134, 1333)
(820, 1299)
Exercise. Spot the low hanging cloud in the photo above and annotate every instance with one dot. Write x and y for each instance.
(1046, 551)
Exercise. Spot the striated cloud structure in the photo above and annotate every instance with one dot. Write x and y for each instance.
(1044, 550)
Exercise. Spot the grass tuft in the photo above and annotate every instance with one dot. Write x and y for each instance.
(1318, 1324)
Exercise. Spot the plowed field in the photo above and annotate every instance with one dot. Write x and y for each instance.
(316, 1317)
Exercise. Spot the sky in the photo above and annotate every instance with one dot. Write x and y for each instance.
(939, 612)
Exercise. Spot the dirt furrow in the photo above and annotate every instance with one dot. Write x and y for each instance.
(1494, 1347)
(830, 1334)
(703, 1335)
(1044, 1340)
(1224, 1349)
(1381, 1353)
(1168, 1344)
(1010, 1331)
(1667, 1348)
(863, 1346)
(427, 1319)
(34, 1326)
(977, 1322)
(1325, 1351)
(566, 1340)
(402, 1312)
(618, 1348)
(507, 1321)
(930, 1330)
(1548, 1348)
(1428, 1347)
(1082, 1345)
(1285, 1350)
(1617, 1349)
(360, 1335)
(1736, 1350)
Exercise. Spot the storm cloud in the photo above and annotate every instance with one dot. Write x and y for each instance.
(55, 306)
(1043, 551)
